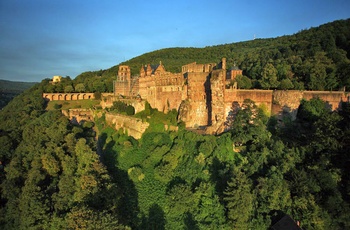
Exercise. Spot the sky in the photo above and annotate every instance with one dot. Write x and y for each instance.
(43, 38)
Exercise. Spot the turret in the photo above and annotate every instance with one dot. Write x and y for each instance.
(223, 63)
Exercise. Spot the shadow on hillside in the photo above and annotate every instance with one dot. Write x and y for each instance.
(127, 205)
(155, 219)
(220, 175)
(190, 222)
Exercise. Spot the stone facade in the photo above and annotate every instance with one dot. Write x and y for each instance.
(132, 126)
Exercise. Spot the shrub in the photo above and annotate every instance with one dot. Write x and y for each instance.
(57, 106)
(97, 95)
(121, 107)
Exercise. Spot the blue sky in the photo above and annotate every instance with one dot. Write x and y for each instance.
(43, 38)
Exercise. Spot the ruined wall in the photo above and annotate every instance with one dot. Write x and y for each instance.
(260, 97)
(67, 96)
(107, 102)
(78, 115)
(198, 68)
(168, 92)
(334, 98)
(217, 100)
(132, 126)
(197, 91)
(288, 101)
(281, 102)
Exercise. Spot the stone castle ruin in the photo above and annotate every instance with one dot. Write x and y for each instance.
(202, 95)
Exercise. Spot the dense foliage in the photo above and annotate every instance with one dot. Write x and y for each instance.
(52, 176)
(122, 108)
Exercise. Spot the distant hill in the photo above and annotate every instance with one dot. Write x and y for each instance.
(15, 86)
(10, 89)
(332, 38)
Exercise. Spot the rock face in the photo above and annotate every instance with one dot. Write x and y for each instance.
(132, 126)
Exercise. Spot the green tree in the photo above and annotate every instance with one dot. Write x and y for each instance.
(239, 200)
(243, 82)
(99, 86)
(269, 77)
(286, 84)
(68, 89)
(80, 87)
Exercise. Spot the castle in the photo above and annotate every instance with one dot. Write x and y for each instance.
(201, 93)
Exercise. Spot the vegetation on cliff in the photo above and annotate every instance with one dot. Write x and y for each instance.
(52, 177)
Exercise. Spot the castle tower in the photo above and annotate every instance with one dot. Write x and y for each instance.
(223, 63)
(123, 83)
(124, 73)
(149, 70)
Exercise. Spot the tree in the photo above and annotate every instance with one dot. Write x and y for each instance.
(68, 89)
(269, 77)
(286, 84)
(249, 124)
(239, 200)
(99, 86)
(80, 87)
(243, 82)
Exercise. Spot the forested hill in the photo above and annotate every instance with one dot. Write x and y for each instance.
(332, 38)
(315, 59)
(10, 89)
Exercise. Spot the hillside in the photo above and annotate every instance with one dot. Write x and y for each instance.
(329, 38)
(247, 178)
(322, 52)
(10, 89)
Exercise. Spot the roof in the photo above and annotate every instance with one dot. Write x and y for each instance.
(235, 68)
(286, 223)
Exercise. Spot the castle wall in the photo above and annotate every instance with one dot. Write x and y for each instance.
(197, 113)
(288, 101)
(198, 68)
(67, 96)
(132, 126)
(78, 115)
(217, 100)
(121, 87)
(260, 97)
(334, 98)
